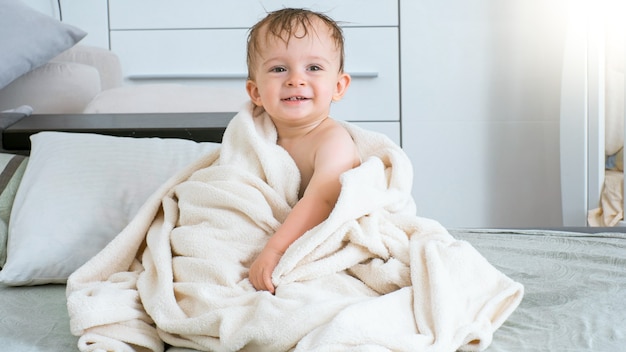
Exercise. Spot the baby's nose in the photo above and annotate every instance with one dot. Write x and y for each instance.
(296, 79)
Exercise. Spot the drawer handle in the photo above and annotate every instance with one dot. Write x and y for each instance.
(155, 76)
(364, 74)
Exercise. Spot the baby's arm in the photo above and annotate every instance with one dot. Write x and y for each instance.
(333, 157)
(306, 214)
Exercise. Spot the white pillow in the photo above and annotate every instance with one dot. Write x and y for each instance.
(29, 39)
(53, 88)
(78, 192)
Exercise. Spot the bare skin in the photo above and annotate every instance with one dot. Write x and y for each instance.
(295, 83)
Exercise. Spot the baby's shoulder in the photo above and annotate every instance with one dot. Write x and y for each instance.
(334, 131)
(336, 145)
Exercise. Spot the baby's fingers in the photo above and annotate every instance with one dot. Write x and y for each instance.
(267, 282)
(261, 280)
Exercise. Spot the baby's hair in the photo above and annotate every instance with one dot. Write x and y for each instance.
(284, 24)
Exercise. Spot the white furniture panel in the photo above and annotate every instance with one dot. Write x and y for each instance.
(197, 55)
(159, 14)
(374, 94)
(217, 57)
(88, 15)
(92, 17)
(47, 7)
(204, 42)
(391, 129)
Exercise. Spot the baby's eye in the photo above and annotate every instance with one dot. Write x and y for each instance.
(315, 68)
(278, 69)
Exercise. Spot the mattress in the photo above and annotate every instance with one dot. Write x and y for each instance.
(575, 290)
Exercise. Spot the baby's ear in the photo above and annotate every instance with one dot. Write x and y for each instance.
(342, 86)
(253, 92)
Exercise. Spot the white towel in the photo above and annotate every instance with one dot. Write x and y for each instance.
(373, 276)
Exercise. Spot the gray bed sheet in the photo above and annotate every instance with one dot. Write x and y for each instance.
(575, 288)
(35, 319)
(575, 295)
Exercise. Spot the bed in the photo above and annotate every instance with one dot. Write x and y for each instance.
(574, 279)
(575, 284)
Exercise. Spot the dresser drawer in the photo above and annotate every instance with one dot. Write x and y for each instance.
(195, 56)
(217, 57)
(164, 14)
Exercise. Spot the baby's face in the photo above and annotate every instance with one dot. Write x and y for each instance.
(296, 81)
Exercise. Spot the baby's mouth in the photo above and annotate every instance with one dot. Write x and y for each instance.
(297, 98)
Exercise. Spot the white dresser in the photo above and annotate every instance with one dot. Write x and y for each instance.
(204, 42)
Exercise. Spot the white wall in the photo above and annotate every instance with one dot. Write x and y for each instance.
(480, 109)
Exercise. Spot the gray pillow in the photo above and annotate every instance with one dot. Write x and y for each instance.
(29, 39)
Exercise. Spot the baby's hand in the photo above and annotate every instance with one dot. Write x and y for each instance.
(261, 270)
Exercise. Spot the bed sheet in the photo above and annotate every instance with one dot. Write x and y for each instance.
(35, 319)
(575, 295)
(575, 288)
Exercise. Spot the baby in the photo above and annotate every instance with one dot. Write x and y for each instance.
(295, 71)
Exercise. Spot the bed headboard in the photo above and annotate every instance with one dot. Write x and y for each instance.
(199, 127)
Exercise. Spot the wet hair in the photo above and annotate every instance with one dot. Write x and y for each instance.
(284, 24)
